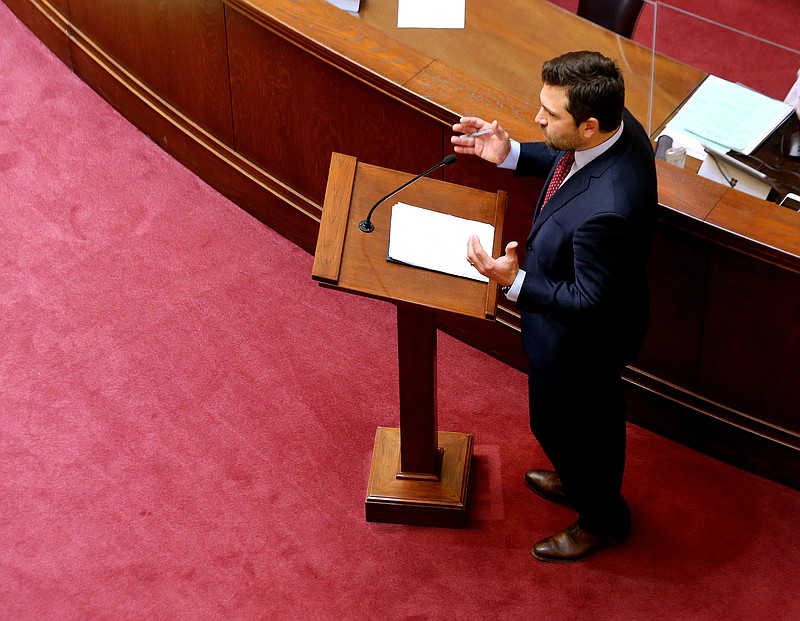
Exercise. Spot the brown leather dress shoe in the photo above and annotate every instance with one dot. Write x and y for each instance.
(573, 544)
(547, 485)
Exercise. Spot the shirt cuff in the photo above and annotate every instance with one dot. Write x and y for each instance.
(512, 158)
(513, 293)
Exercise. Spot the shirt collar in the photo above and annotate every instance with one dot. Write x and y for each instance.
(584, 157)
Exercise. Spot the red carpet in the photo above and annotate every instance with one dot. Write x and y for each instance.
(186, 422)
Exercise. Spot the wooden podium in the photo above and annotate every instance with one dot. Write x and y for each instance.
(419, 475)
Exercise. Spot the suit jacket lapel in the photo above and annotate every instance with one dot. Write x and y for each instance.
(577, 184)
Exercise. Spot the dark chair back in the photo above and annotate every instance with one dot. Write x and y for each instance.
(617, 15)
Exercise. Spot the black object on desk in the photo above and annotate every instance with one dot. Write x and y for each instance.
(794, 145)
(778, 158)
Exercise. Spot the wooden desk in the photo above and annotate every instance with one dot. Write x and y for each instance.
(255, 95)
(503, 47)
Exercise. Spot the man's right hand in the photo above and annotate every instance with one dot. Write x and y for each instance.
(493, 147)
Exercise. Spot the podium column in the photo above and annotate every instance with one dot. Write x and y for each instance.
(416, 350)
(419, 475)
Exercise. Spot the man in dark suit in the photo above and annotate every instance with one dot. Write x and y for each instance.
(582, 291)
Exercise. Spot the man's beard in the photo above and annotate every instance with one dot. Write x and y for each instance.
(562, 143)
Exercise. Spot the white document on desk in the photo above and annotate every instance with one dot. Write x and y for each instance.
(431, 13)
(436, 241)
(351, 6)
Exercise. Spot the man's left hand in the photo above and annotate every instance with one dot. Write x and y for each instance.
(502, 270)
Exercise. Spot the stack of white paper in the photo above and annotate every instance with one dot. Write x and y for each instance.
(436, 241)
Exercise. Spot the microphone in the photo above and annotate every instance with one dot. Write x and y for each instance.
(366, 225)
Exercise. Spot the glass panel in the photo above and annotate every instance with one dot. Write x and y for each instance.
(752, 43)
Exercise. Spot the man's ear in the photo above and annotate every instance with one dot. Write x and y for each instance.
(589, 128)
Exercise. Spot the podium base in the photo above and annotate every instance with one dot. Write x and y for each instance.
(398, 500)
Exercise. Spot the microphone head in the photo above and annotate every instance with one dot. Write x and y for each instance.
(449, 159)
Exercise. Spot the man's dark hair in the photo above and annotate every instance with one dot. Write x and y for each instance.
(594, 83)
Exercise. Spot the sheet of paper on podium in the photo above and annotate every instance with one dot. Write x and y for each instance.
(436, 241)
(727, 116)
(351, 6)
(431, 13)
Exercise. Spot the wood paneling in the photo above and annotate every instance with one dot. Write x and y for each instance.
(176, 48)
(678, 272)
(292, 110)
(750, 351)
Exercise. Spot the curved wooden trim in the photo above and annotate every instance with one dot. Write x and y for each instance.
(714, 429)
(740, 421)
(201, 138)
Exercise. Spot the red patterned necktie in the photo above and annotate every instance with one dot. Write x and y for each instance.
(562, 170)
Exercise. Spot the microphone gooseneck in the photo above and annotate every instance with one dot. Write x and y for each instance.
(366, 225)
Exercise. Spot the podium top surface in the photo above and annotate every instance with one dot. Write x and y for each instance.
(354, 261)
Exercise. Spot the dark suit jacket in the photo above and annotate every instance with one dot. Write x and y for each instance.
(584, 298)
